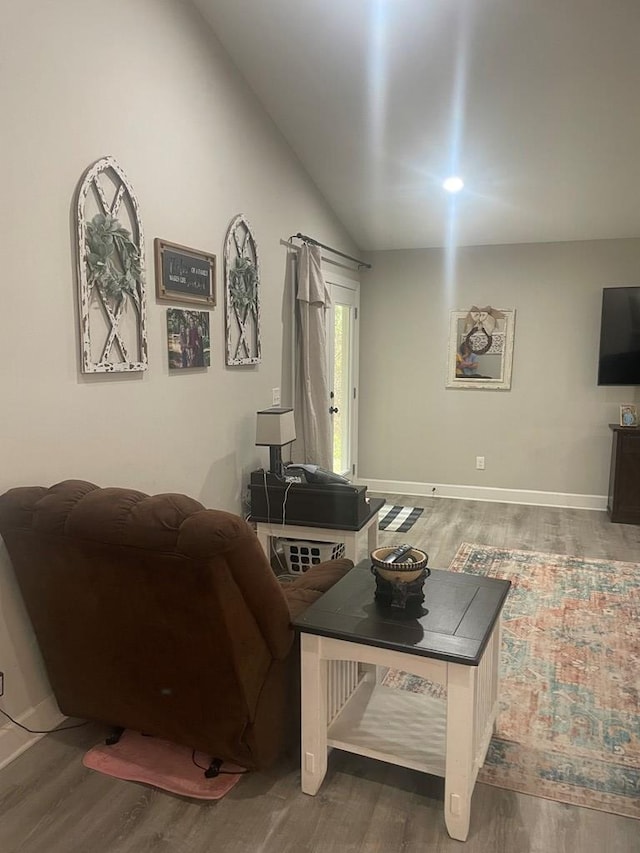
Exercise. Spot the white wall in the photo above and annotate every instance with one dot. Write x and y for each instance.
(549, 433)
(145, 82)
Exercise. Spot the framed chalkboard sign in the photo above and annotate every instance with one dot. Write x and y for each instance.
(184, 274)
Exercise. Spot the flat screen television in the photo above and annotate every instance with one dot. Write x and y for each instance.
(619, 361)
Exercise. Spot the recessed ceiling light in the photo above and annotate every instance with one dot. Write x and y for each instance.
(453, 184)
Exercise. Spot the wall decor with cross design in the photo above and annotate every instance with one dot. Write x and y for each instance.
(242, 294)
(111, 285)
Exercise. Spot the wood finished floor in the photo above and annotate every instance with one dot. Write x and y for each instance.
(49, 803)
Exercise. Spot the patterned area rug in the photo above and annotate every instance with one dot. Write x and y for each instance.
(569, 722)
(398, 519)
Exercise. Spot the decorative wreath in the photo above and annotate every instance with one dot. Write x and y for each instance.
(473, 335)
(113, 259)
(480, 323)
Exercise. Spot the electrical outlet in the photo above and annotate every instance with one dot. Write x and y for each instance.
(275, 396)
(1, 683)
(480, 463)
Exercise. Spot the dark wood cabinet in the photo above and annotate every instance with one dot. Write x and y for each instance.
(623, 504)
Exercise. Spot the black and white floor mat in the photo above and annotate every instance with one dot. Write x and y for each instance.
(398, 519)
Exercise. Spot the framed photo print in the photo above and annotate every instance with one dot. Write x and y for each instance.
(184, 274)
(188, 340)
(481, 348)
(628, 415)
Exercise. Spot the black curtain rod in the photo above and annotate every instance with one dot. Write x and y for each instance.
(313, 242)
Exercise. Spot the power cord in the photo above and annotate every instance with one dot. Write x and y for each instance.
(220, 772)
(42, 731)
(266, 495)
(284, 502)
(86, 722)
(284, 520)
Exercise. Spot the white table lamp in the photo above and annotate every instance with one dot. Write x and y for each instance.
(275, 427)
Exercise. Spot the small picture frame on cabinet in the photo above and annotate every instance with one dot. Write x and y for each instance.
(628, 415)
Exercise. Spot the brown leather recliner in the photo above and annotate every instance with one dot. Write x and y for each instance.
(158, 615)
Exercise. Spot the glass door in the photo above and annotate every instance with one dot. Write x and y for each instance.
(342, 339)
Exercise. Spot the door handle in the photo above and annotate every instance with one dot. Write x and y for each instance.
(333, 410)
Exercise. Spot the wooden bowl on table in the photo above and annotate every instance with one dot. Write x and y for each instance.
(407, 571)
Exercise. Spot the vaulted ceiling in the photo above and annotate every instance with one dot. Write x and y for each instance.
(534, 103)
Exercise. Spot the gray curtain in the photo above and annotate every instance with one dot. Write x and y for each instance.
(311, 408)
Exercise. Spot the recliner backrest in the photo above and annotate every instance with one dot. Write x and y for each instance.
(151, 612)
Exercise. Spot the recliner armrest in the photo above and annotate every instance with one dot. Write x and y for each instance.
(303, 591)
(322, 576)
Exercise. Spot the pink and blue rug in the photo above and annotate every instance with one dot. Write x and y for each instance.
(569, 721)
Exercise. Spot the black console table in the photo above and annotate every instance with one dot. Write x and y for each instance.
(623, 504)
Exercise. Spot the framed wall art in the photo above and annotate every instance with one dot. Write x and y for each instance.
(242, 294)
(110, 265)
(480, 352)
(188, 338)
(184, 274)
(628, 415)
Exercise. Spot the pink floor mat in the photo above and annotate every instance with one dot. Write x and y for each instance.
(162, 764)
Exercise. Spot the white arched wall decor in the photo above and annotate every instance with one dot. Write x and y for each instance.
(111, 285)
(242, 294)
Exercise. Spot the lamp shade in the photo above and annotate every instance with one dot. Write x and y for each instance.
(275, 427)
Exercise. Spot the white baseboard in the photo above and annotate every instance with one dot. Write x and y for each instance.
(486, 493)
(14, 740)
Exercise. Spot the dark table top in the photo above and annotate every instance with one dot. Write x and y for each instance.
(453, 624)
